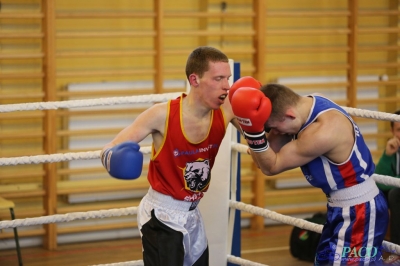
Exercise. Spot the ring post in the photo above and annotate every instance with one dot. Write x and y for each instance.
(236, 238)
(214, 207)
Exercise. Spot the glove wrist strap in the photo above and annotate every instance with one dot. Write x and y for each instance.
(105, 158)
(257, 141)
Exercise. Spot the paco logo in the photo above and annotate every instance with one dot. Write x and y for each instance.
(244, 121)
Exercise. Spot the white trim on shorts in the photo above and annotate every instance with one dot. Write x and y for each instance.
(169, 202)
(354, 195)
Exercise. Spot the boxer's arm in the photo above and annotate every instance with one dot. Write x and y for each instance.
(229, 115)
(150, 121)
(121, 157)
(315, 140)
(277, 141)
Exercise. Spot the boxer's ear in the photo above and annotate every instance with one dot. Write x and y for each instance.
(290, 113)
(194, 80)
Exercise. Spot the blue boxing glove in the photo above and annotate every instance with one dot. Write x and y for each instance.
(123, 161)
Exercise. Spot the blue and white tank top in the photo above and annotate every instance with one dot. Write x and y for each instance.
(330, 176)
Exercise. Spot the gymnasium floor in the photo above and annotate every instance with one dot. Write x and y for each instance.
(269, 246)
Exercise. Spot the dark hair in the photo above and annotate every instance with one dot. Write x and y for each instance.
(281, 98)
(396, 113)
(198, 60)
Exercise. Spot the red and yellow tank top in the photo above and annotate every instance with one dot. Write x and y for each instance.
(180, 168)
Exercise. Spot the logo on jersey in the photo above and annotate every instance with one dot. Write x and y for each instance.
(357, 130)
(306, 173)
(197, 175)
(206, 148)
(308, 177)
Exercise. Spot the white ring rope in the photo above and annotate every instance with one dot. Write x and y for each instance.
(154, 98)
(276, 216)
(231, 259)
(126, 263)
(239, 147)
(68, 217)
(388, 246)
(50, 158)
(88, 103)
(58, 157)
(133, 210)
(372, 114)
(386, 180)
(243, 262)
(393, 248)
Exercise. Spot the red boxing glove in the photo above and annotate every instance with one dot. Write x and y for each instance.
(252, 109)
(246, 81)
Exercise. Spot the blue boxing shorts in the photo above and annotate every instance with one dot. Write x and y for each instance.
(356, 225)
(172, 232)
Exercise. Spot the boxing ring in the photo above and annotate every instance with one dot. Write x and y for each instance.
(224, 192)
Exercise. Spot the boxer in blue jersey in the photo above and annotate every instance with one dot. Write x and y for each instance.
(317, 135)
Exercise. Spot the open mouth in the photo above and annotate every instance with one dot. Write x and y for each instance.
(223, 96)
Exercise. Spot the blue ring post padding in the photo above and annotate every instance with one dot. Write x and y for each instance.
(236, 237)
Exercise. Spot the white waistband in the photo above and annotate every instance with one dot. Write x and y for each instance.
(169, 202)
(354, 195)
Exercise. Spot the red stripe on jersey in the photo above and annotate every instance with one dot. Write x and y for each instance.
(348, 174)
(358, 228)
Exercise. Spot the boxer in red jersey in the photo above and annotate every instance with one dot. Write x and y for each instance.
(186, 134)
